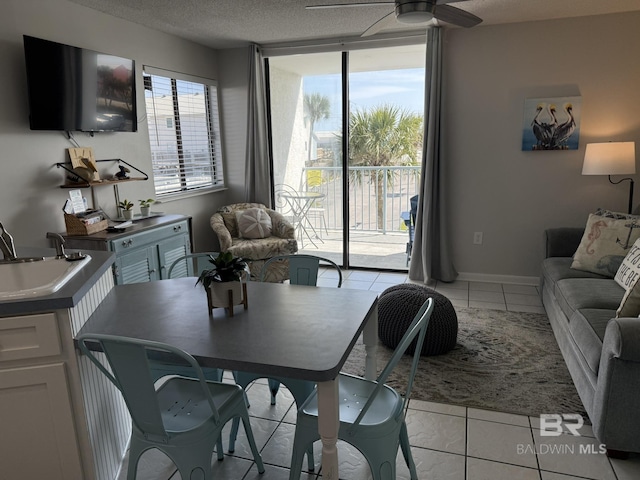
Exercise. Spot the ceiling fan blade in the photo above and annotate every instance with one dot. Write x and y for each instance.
(456, 16)
(384, 22)
(346, 5)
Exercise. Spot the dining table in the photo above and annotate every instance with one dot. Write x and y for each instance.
(294, 331)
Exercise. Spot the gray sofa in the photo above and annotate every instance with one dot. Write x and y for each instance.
(602, 352)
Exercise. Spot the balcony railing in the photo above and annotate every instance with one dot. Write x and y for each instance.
(377, 196)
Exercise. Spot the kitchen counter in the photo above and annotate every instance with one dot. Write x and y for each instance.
(70, 294)
(44, 381)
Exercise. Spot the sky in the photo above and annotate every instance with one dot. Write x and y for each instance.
(404, 88)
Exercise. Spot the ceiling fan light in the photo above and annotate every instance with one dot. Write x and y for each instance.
(414, 11)
(414, 17)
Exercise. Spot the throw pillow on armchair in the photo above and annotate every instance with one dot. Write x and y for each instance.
(281, 239)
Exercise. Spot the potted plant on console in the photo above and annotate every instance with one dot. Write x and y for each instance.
(145, 206)
(224, 282)
(127, 209)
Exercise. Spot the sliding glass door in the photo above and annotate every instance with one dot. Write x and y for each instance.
(306, 131)
(365, 102)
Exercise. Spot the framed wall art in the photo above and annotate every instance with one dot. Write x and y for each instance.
(551, 123)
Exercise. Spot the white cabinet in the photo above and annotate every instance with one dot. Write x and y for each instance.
(39, 438)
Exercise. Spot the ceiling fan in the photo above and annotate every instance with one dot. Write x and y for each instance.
(412, 12)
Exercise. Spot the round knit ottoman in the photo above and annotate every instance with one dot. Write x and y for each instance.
(398, 305)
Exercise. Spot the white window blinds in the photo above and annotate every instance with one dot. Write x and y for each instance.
(184, 132)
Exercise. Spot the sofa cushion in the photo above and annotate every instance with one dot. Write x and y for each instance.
(557, 268)
(605, 243)
(587, 327)
(253, 223)
(628, 277)
(579, 293)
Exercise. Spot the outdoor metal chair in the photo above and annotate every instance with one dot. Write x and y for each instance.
(410, 221)
(372, 414)
(183, 417)
(315, 183)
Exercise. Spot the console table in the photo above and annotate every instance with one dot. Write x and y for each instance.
(144, 251)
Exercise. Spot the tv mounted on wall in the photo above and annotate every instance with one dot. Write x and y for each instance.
(75, 89)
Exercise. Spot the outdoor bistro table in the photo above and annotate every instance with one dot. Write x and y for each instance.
(300, 203)
(287, 331)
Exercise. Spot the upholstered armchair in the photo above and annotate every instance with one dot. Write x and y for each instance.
(256, 233)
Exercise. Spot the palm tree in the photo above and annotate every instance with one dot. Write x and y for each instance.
(317, 107)
(384, 136)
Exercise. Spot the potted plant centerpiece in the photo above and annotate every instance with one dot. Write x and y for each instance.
(127, 209)
(224, 281)
(145, 206)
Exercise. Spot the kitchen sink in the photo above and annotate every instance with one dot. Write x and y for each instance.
(36, 276)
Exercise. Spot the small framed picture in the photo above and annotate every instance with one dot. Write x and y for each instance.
(551, 123)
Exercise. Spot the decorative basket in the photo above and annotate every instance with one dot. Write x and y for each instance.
(75, 226)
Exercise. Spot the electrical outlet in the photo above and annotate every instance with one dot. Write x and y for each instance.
(477, 238)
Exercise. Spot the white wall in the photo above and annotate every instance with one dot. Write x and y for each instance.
(30, 197)
(511, 195)
(290, 133)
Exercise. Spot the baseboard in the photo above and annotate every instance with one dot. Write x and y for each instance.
(486, 277)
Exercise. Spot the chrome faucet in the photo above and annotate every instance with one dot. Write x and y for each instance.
(59, 243)
(6, 244)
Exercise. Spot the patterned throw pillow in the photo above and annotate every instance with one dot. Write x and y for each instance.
(605, 243)
(628, 277)
(253, 223)
(609, 214)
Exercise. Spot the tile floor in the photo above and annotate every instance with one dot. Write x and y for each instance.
(448, 442)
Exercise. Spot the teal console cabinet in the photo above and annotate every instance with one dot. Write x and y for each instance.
(145, 251)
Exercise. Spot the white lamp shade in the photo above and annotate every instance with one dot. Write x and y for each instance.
(610, 158)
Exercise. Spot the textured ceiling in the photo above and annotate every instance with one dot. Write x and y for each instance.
(234, 23)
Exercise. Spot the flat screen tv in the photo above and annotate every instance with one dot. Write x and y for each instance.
(75, 89)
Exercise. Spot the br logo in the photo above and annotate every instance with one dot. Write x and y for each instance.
(551, 425)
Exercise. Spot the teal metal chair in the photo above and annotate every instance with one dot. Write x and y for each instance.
(303, 270)
(372, 414)
(172, 366)
(183, 417)
(164, 365)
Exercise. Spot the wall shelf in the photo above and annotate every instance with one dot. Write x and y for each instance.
(87, 184)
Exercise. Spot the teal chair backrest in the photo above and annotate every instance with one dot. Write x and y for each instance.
(128, 359)
(303, 269)
(418, 328)
(200, 262)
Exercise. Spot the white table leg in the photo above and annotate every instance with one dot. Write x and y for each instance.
(328, 424)
(370, 337)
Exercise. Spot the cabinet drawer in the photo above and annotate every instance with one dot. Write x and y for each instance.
(153, 236)
(29, 336)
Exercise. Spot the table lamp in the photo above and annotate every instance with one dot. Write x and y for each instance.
(611, 158)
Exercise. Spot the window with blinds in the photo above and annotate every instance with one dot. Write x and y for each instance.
(184, 132)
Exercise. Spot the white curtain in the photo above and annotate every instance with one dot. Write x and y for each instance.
(258, 169)
(431, 254)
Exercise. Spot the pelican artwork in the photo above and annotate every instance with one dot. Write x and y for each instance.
(548, 127)
(564, 130)
(542, 130)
